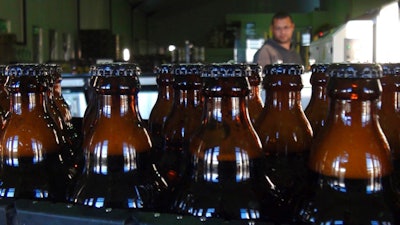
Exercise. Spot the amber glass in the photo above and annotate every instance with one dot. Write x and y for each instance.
(162, 107)
(62, 105)
(118, 171)
(90, 115)
(35, 162)
(317, 109)
(57, 112)
(227, 163)
(350, 159)
(254, 103)
(4, 97)
(182, 122)
(285, 133)
(389, 118)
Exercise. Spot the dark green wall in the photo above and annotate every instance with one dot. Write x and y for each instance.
(144, 33)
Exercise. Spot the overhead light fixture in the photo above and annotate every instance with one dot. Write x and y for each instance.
(171, 48)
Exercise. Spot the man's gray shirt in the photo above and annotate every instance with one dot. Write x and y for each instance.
(271, 52)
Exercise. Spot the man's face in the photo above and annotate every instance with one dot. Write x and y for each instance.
(282, 30)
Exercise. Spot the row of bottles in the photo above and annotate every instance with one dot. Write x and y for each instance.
(39, 149)
(211, 147)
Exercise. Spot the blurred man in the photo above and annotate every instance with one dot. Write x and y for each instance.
(278, 49)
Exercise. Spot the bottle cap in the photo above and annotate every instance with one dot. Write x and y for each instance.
(226, 70)
(115, 69)
(256, 74)
(188, 69)
(319, 68)
(355, 70)
(30, 77)
(163, 69)
(53, 68)
(255, 68)
(23, 69)
(287, 69)
(390, 68)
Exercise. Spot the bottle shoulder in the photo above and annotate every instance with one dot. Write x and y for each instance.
(357, 152)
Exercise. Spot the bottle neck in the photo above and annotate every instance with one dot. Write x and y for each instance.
(318, 94)
(353, 100)
(390, 97)
(355, 114)
(255, 93)
(166, 93)
(226, 101)
(226, 109)
(57, 89)
(282, 100)
(283, 92)
(27, 102)
(187, 98)
(114, 106)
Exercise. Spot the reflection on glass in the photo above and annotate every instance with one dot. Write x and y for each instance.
(106, 110)
(372, 184)
(249, 214)
(216, 109)
(345, 112)
(211, 165)
(100, 158)
(37, 149)
(12, 147)
(129, 154)
(32, 101)
(242, 165)
(215, 169)
(16, 99)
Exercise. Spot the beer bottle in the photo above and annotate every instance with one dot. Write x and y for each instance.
(162, 107)
(227, 163)
(182, 122)
(58, 108)
(317, 109)
(285, 133)
(90, 115)
(35, 162)
(4, 99)
(350, 158)
(118, 169)
(255, 103)
(61, 104)
(389, 118)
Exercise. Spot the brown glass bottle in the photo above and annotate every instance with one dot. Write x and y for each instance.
(118, 169)
(61, 104)
(350, 159)
(35, 162)
(389, 118)
(285, 133)
(317, 109)
(162, 107)
(227, 178)
(4, 97)
(182, 122)
(56, 111)
(90, 114)
(254, 103)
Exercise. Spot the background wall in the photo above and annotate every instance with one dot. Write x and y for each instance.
(148, 32)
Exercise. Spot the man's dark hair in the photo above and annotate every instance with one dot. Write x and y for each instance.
(281, 15)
